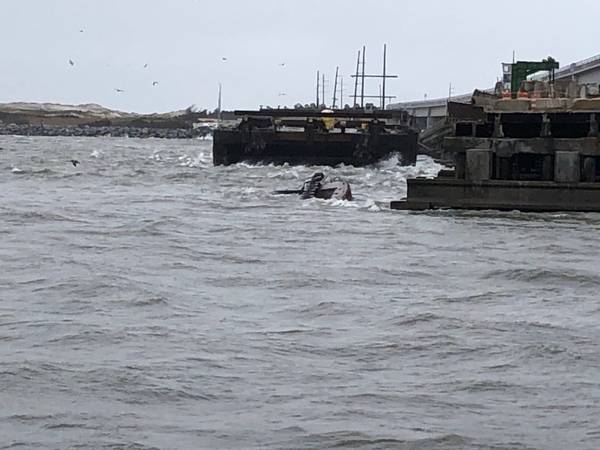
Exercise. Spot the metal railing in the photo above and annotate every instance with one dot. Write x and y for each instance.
(570, 69)
(567, 70)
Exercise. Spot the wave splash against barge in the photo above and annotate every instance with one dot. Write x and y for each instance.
(327, 138)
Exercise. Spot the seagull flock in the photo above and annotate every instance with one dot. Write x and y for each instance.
(155, 83)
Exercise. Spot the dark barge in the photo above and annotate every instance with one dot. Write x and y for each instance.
(355, 137)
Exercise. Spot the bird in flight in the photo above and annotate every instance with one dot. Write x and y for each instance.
(281, 64)
(223, 59)
(282, 94)
(71, 62)
(155, 83)
(81, 31)
(145, 65)
(75, 162)
(119, 90)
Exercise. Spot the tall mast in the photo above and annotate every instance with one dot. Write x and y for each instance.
(356, 80)
(323, 89)
(341, 92)
(337, 71)
(318, 79)
(362, 90)
(383, 96)
(219, 104)
(384, 76)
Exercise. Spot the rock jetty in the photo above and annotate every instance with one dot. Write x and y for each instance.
(108, 131)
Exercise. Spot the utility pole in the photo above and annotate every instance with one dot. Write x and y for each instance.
(335, 84)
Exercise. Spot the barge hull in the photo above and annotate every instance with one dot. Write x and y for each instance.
(301, 148)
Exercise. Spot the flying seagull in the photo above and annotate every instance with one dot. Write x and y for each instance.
(75, 162)
(282, 64)
(155, 83)
(119, 90)
(81, 31)
(281, 94)
(223, 59)
(145, 65)
(71, 62)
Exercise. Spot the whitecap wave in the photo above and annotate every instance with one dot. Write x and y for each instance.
(200, 160)
(373, 187)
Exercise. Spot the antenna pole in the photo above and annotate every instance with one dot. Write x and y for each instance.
(362, 91)
(335, 84)
(356, 80)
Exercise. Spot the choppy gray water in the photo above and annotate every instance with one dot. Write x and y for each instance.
(150, 300)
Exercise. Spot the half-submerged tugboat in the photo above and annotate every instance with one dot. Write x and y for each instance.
(318, 186)
(534, 149)
(310, 137)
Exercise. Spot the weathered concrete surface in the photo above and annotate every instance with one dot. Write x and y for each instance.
(535, 196)
(566, 167)
(588, 170)
(507, 147)
(479, 165)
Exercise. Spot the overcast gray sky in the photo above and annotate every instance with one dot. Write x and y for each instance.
(430, 44)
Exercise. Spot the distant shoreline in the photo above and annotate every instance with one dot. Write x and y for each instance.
(90, 120)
